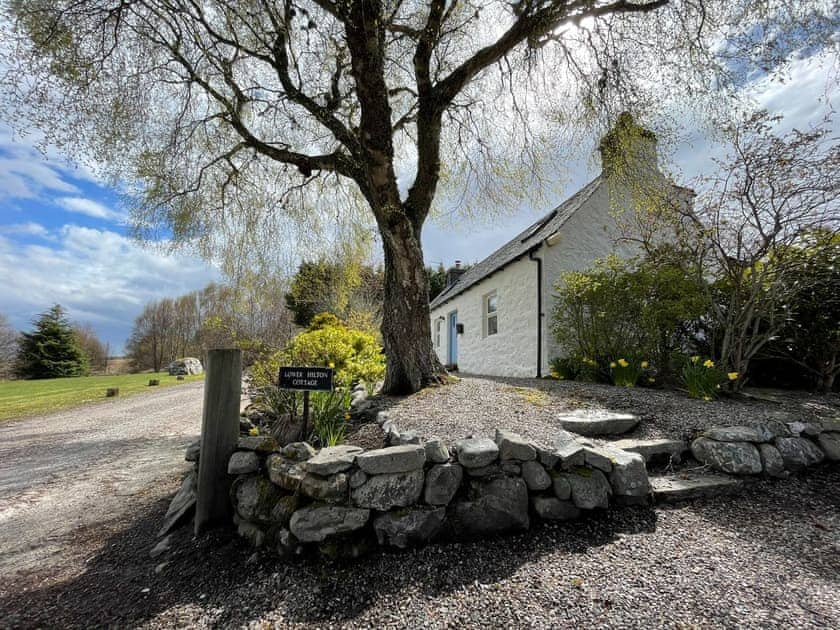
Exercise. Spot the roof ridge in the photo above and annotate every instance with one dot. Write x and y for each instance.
(516, 247)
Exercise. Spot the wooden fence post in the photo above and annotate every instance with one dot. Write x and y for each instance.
(219, 435)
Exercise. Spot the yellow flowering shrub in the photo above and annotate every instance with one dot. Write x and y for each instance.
(354, 354)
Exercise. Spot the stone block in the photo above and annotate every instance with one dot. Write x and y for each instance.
(798, 453)
(392, 459)
(390, 490)
(243, 463)
(442, 482)
(535, 476)
(553, 509)
(590, 488)
(331, 460)
(403, 528)
(332, 489)
(476, 452)
(514, 446)
(317, 522)
(436, 452)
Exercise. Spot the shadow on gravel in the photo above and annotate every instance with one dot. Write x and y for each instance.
(795, 519)
(211, 580)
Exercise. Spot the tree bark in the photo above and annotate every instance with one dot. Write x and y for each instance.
(406, 330)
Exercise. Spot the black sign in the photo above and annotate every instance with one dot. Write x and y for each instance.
(316, 379)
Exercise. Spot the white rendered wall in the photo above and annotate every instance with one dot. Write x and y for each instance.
(513, 350)
(589, 234)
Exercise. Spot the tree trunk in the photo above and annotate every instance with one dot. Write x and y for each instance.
(406, 330)
(827, 381)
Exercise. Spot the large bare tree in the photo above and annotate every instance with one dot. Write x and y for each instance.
(219, 115)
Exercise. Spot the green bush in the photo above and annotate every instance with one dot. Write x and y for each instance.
(565, 368)
(651, 306)
(580, 369)
(354, 354)
(810, 338)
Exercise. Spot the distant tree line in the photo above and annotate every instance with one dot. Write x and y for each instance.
(250, 316)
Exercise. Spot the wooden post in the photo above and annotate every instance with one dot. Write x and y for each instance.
(303, 436)
(219, 435)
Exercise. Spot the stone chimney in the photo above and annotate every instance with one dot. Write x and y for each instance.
(628, 150)
(454, 273)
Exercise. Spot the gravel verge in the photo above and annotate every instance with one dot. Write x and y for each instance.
(770, 559)
(479, 405)
(64, 473)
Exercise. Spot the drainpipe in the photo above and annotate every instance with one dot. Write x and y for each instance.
(539, 308)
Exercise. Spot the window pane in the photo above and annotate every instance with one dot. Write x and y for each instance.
(491, 303)
(492, 325)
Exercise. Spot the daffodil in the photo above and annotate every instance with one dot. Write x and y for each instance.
(254, 431)
(645, 365)
(331, 364)
(623, 363)
(708, 363)
(651, 379)
(707, 398)
(695, 359)
(346, 416)
(612, 364)
(733, 376)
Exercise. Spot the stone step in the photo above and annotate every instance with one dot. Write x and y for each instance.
(595, 423)
(654, 450)
(685, 486)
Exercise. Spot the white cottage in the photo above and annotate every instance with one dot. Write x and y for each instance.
(494, 318)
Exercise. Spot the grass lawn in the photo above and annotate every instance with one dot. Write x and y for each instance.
(26, 398)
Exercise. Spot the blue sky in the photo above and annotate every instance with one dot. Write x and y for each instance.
(64, 238)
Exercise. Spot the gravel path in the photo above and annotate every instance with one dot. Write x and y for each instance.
(479, 405)
(74, 471)
(768, 559)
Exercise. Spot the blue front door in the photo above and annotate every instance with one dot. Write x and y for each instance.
(453, 338)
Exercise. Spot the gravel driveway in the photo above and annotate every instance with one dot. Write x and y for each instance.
(481, 404)
(769, 558)
(67, 472)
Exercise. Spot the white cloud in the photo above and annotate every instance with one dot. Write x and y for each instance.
(26, 173)
(26, 229)
(101, 277)
(89, 207)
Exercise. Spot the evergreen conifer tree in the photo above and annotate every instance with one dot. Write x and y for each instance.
(52, 350)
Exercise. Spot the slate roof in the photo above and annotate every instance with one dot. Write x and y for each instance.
(519, 245)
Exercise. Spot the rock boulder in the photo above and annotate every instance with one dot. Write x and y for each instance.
(798, 453)
(316, 522)
(402, 528)
(737, 458)
(494, 506)
(476, 452)
(383, 492)
(442, 482)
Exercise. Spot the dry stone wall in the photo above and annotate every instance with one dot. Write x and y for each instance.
(344, 500)
(772, 448)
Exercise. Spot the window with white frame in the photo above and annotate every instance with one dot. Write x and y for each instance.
(491, 314)
(438, 327)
